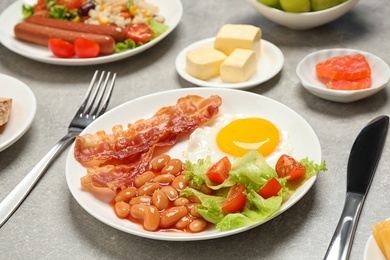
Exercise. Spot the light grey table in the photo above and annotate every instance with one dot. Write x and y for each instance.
(51, 225)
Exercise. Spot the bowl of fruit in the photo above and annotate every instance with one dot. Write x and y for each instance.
(302, 14)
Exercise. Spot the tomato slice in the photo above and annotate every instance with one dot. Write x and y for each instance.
(235, 200)
(286, 166)
(85, 48)
(139, 32)
(61, 48)
(219, 172)
(70, 4)
(270, 189)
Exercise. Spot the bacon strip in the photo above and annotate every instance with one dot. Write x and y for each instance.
(117, 159)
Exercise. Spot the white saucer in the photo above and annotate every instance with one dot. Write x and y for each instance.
(306, 71)
(270, 63)
(22, 112)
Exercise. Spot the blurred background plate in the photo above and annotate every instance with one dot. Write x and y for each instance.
(172, 10)
(22, 113)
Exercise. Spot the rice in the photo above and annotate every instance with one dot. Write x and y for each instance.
(109, 12)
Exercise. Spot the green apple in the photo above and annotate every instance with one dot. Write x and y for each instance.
(295, 6)
(318, 5)
(271, 3)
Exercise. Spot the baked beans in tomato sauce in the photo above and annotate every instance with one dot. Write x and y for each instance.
(154, 202)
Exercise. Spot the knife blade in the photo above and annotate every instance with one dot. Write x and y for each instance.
(362, 163)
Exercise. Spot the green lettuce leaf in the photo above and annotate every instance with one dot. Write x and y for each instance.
(157, 28)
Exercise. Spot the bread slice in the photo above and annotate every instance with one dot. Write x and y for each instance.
(5, 110)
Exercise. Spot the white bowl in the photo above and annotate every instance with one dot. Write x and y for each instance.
(306, 71)
(302, 21)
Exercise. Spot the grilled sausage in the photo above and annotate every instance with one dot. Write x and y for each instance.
(41, 34)
(116, 32)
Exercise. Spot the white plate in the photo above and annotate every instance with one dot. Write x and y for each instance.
(22, 112)
(172, 10)
(270, 63)
(372, 250)
(306, 71)
(303, 138)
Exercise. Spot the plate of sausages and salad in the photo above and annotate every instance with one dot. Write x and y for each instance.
(164, 172)
(85, 32)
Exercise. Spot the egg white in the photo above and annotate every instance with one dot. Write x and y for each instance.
(202, 142)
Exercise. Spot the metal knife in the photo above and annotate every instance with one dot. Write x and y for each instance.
(362, 164)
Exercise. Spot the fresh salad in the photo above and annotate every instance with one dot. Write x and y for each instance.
(249, 190)
(140, 21)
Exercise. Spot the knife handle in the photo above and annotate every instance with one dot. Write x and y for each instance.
(341, 243)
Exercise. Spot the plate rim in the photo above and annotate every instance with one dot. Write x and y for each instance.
(180, 63)
(29, 111)
(8, 40)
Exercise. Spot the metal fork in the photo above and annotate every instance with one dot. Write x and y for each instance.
(94, 104)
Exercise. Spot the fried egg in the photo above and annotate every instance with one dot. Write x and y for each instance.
(235, 135)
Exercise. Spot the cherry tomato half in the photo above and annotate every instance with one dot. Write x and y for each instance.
(287, 166)
(271, 188)
(219, 172)
(61, 48)
(235, 200)
(139, 32)
(85, 48)
(70, 4)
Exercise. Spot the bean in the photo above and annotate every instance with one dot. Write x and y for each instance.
(148, 188)
(174, 166)
(159, 162)
(192, 207)
(122, 209)
(180, 182)
(126, 194)
(151, 218)
(138, 211)
(170, 216)
(164, 178)
(205, 189)
(160, 200)
(194, 199)
(183, 222)
(141, 200)
(143, 178)
(181, 202)
(171, 192)
(197, 225)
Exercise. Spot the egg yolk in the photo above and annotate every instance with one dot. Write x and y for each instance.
(243, 135)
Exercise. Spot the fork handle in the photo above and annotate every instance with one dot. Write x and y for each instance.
(20, 192)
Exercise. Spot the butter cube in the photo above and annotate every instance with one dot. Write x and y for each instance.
(204, 63)
(239, 66)
(243, 36)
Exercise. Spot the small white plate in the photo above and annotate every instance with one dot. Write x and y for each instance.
(172, 10)
(22, 112)
(306, 71)
(270, 63)
(302, 137)
(372, 250)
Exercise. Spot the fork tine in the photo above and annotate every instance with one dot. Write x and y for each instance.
(98, 95)
(82, 109)
(91, 103)
(107, 95)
